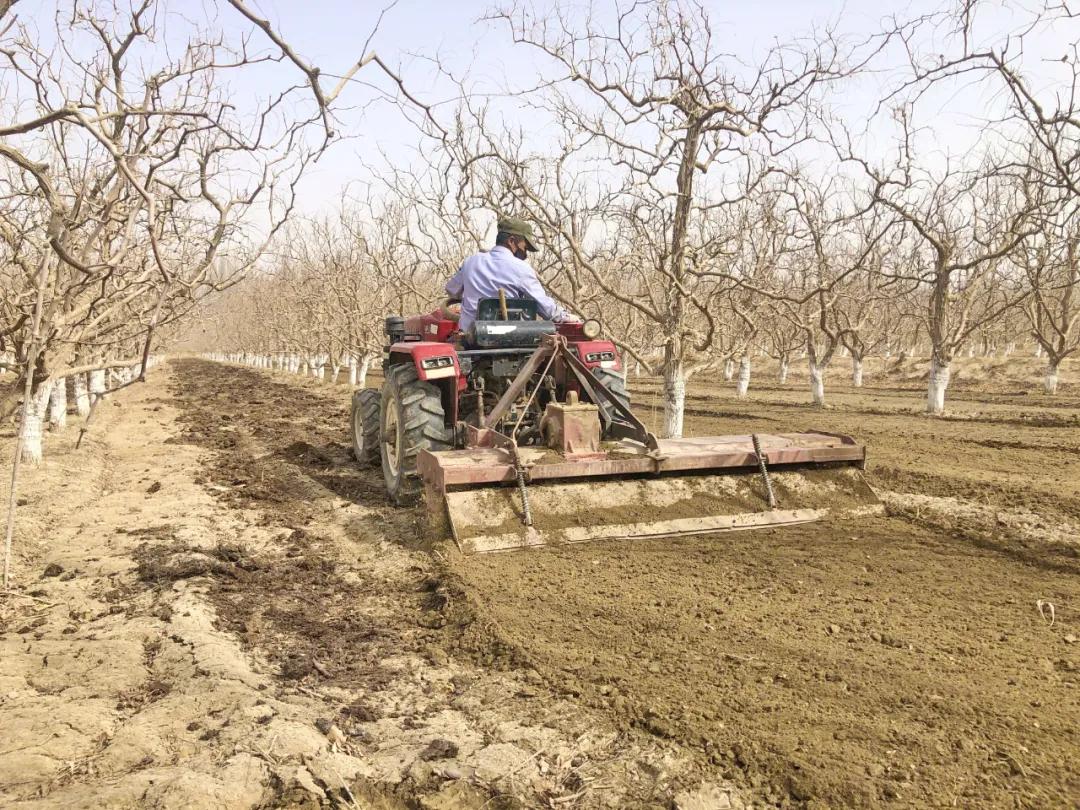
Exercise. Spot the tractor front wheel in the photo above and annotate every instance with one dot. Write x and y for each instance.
(365, 426)
(412, 419)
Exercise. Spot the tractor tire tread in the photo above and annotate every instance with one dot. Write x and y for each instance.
(366, 406)
(422, 428)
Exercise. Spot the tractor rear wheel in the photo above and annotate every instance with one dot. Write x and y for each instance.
(412, 419)
(365, 426)
(616, 383)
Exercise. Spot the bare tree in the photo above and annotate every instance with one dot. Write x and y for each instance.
(1052, 269)
(678, 129)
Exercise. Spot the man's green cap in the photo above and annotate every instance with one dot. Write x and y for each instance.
(519, 227)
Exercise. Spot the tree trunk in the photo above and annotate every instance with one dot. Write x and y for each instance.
(856, 370)
(935, 388)
(674, 398)
(817, 383)
(97, 383)
(58, 405)
(783, 370)
(744, 376)
(31, 448)
(82, 395)
(1050, 381)
(1038, 350)
(729, 369)
(361, 375)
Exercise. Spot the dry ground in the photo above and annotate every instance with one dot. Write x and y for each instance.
(240, 619)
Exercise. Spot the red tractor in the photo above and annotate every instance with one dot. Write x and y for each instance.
(439, 381)
(520, 434)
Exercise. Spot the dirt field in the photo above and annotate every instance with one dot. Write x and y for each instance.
(248, 623)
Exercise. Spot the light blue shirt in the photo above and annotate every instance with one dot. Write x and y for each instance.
(483, 274)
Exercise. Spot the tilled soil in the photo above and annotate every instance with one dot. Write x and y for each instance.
(357, 606)
(852, 663)
(889, 661)
(897, 660)
(216, 608)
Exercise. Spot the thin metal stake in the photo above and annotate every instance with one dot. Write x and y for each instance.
(769, 494)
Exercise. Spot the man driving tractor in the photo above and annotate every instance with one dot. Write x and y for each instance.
(504, 268)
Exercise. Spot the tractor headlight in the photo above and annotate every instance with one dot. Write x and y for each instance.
(429, 363)
(591, 329)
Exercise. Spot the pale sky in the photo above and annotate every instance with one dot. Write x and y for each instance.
(331, 34)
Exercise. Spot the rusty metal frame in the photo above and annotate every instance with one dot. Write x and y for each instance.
(491, 457)
(490, 461)
(521, 381)
(557, 345)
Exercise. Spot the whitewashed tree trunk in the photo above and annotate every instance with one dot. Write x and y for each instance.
(31, 431)
(361, 374)
(817, 383)
(58, 405)
(783, 371)
(352, 371)
(729, 369)
(82, 394)
(1038, 350)
(1050, 381)
(97, 383)
(335, 369)
(935, 387)
(743, 385)
(674, 400)
(856, 371)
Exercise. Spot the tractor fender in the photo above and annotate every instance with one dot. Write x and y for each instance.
(433, 361)
(436, 363)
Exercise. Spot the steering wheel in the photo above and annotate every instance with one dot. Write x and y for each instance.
(450, 309)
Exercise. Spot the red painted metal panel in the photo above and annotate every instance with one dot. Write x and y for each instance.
(422, 349)
(431, 327)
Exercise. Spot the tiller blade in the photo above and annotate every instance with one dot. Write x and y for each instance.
(705, 485)
(497, 496)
